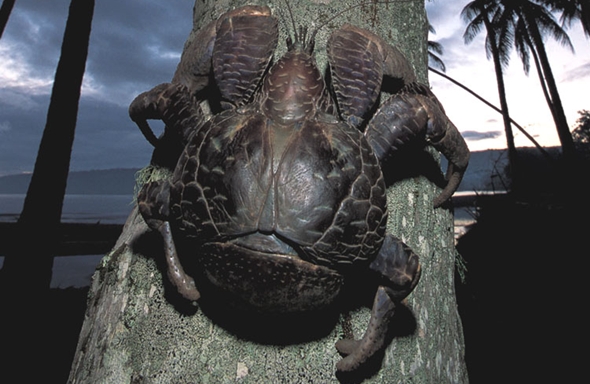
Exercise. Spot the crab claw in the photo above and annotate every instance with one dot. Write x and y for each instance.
(172, 104)
(150, 105)
(416, 113)
(445, 137)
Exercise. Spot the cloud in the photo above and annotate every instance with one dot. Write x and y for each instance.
(19, 75)
(579, 72)
(134, 45)
(5, 127)
(477, 135)
(129, 55)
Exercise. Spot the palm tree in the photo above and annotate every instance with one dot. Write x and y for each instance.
(435, 49)
(480, 98)
(526, 23)
(486, 14)
(571, 10)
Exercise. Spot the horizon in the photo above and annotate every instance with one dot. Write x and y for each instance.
(139, 168)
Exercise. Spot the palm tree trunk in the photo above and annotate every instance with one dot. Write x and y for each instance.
(555, 105)
(542, 80)
(512, 154)
(27, 269)
(518, 126)
(41, 215)
(5, 11)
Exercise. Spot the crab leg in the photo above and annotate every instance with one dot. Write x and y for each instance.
(236, 48)
(183, 282)
(399, 269)
(168, 102)
(245, 42)
(416, 113)
(358, 60)
(359, 351)
(172, 104)
(154, 204)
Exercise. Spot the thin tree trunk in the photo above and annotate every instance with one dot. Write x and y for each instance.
(5, 11)
(512, 154)
(26, 274)
(133, 331)
(518, 126)
(555, 105)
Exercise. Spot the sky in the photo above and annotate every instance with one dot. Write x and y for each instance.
(136, 44)
(481, 126)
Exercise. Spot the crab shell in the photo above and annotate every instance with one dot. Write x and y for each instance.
(279, 212)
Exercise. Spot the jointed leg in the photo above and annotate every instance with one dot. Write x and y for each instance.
(183, 282)
(400, 270)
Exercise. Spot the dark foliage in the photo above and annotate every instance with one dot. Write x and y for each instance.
(520, 302)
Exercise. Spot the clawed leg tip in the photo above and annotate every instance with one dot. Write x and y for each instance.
(347, 365)
(346, 346)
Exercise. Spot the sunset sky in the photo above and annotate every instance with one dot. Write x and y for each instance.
(136, 44)
(482, 126)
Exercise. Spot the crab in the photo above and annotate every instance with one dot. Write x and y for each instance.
(282, 192)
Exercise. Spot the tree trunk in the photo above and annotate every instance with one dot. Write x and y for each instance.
(512, 154)
(480, 98)
(5, 11)
(135, 332)
(555, 105)
(40, 218)
(26, 274)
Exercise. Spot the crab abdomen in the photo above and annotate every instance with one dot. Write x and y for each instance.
(315, 185)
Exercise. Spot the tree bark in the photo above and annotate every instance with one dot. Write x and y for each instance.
(134, 330)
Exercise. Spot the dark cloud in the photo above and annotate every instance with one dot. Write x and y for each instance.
(111, 141)
(127, 37)
(134, 45)
(37, 29)
(19, 144)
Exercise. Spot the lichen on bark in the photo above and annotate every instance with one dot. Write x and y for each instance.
(135, 331)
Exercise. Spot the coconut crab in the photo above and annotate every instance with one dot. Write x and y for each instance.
(282, 192)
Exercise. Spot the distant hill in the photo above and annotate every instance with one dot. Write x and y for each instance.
(95, 182)
(486, 172)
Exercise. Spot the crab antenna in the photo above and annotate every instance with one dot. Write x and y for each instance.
(292, 19)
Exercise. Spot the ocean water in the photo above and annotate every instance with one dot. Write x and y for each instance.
(106, 209)
(75, 271)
